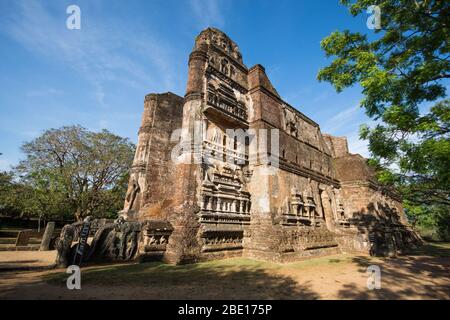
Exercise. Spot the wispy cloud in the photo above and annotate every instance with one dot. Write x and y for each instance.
(356, 145)
(296, 95)
(341, 119)
(5, 165)
(47, 91)
(96, 52)
(320, 97)
(208, 13)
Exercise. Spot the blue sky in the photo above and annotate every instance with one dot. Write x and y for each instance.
(98, 76)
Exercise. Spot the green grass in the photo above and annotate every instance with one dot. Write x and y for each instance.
(337, 259)
(13, 241)
(7, 240)
(155, 273)
(435, 249)
(219, 272)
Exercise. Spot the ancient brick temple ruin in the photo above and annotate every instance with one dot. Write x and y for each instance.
(203, 192)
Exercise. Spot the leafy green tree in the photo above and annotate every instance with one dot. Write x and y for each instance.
(74, 171)
(7, 200)
(402, 71)
(16, 199)
(432, 222)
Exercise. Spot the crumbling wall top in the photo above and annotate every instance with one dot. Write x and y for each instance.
(337, 145)
(165, 95)
(217, 38)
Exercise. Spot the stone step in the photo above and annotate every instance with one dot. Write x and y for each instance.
(7, 240)
(19, 248)
(9, 233)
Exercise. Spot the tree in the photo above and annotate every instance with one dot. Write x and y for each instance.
(7, 200)
(74, 170)
(16, 199)
(401, 72)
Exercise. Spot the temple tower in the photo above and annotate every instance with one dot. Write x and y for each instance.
(212, 164)
(201, 168)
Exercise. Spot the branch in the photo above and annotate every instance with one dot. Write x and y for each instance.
(440, 76)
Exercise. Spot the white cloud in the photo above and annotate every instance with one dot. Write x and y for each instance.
(44, 92)
(5, 165)
(355, 144)
(208, 13)
(320, 97)
(103, 124)
(341, 119)
(96, 52)
(293, 97)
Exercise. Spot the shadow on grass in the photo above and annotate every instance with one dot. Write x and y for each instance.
(407, 277)
(424, 272)
(243, 279)
(434, 249)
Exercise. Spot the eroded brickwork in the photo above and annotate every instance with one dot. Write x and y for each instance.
(150, 190)
(308, 196)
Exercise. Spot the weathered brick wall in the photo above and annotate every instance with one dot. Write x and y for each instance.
(305, 163)
(307, 148)
(361, 192)
(221, 208)
(273, 242)
(353, 167)
(162, 115)
(337, 145)
(376, 212)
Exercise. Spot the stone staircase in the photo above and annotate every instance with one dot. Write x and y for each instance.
(11, 241)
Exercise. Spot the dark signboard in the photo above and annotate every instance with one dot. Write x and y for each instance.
(81, 247)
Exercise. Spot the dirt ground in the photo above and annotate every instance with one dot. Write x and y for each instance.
(26, 259)
(422, 275)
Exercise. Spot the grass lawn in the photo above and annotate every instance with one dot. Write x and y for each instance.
(422, 274)
(435, 249)
(235, 269)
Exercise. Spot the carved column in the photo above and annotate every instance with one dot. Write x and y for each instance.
(203, 202)
(209, 204)
(205, 129)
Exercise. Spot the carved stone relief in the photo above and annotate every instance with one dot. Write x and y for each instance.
(223, 98)
(225, 206)
(290, 122)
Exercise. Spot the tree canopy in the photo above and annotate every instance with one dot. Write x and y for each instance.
(403, 74)
(73, 171)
